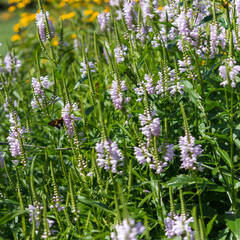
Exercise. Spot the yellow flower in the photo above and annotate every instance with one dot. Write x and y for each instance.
(92, 18)
(26, 18)
(61, 4)
(55, 42)
(97, 1)
(15, 37)
(17, 27)
(68, 15)
(160, 8)
(12, 9)
(74, 35)
(88, 12)
(107, 9)
(21, 5)
(203, 62)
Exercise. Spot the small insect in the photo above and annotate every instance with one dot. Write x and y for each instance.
(225, 4)
(58, 123)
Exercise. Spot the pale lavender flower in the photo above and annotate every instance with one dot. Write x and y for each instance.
(129, 13)
(189, 151)
(103, 20)
(185, 65)
(120, 53)
(174, 84)
(12, 63)
(160, 87)
(149, 84)
(139, 91)
(142, 154)
(46, 232)
(14, 134)
(150, 127)
(83, 68)
(233, 71)
(178, 226)
(167, 151)
(35, 213)
(119, 15)
(214, 41)
(146, 12)
(38, 90)
(114, 3)
(69, 118)
(42, 25)
(183, 25)
(237, 3)
(127, 230)
(116, 93)
(167, 155)
(109, 156)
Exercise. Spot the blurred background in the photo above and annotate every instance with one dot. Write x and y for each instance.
(17, 17)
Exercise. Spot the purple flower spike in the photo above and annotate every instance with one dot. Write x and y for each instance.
(42, 25)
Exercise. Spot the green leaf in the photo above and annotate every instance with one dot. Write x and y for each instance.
(233, 223)
(89, 110)
(96, 204)
(224, 155)
(79, 82)
(183, 180)
(210, 224)
(8, 217)
(194, 96)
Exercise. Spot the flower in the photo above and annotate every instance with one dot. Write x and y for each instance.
(149, 84)
(150, 127)
(42, 26)
(233, 70)
(108, 155)
(178, 226)
(12, 63)
(129, 13)
(189, 151)
(120, 53)
(15, 134)
(69, 118)
(83, 68)
(116, 93)
(103, 19)
(127, 230)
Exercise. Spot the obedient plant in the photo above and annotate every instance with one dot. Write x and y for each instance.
(44, 23)
(106, 149)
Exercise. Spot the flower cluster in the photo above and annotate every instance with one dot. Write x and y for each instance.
(189, 151)
(127, 230)
(46, 232)
(35, 213)
(120, 53)
(150, 127)
(178, 225)
(129, 13)
(69, 118)
(229, 71)
(42, 26)
(11, 63)
(38, 89)
(116, 93)
(15, 134)
(143, 156)
(103, 19)
(83, 68)
(109, 156)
